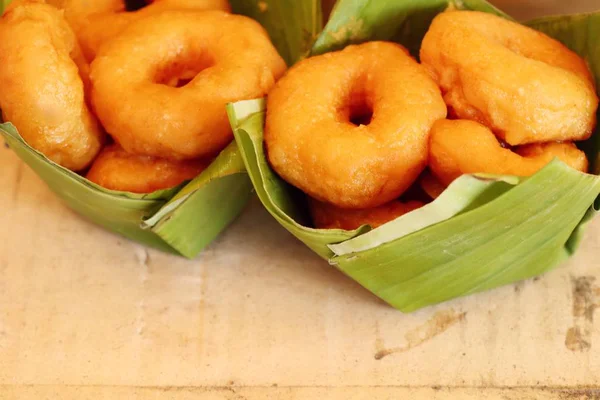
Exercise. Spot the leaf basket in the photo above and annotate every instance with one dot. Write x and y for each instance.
(484, 231)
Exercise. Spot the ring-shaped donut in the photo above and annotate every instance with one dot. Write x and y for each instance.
(464, 147)
(327, 216)
(318, 134)
(42, 85)
(101, 27)
(230, 58)
(523, 84)
(116, 169)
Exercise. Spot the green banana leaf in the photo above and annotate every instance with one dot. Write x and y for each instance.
(404, 21)
(293, 25)
(483, 231)
(181, 220)
(185, 219)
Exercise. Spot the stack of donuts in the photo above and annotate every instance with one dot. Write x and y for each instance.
(133, 100)
(369, 134)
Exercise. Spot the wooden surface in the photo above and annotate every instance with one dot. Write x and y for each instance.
(85, 314)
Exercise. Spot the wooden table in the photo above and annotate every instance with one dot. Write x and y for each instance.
(85, 314)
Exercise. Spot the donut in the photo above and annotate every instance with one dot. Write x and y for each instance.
(229, 57)
(101, 27)
(327, 216)
(524, 85)
(42, 79)
(351, 127)
(116, 169)
(464, 147)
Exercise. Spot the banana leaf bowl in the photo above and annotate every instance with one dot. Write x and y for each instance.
(185, 219)
(484, 231)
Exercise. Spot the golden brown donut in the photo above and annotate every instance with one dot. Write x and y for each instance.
(465, 147)
(524, 85)
(230, 57)
(42, 90)
(350, 128)
(101, 27)
(327, 216)
(116, 169)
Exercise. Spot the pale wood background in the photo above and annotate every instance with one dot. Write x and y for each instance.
(85, 314)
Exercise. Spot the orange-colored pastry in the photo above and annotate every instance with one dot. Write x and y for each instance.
(43, 77)
(161, 86)
(524, 85)
(351, 128)
(465, 147)
(327, 216)
(116, 169)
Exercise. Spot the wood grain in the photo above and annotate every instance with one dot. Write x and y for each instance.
(293, 393)
(80, 306)
(85, 314)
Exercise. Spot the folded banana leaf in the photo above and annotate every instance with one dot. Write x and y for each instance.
(185, 219)
(484, 231)
(293, 25)
(181, 220)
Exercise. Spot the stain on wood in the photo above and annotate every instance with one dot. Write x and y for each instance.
(435, 326)
(579, 394)
(17, 183)
(518, 287)
(585, 302)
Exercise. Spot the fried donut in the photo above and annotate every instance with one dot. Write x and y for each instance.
(116, 169)
(101, 27)
(230, 56)
(350, 128)
(464, 147)
(42, 90)
(523, 84)
(327, 216)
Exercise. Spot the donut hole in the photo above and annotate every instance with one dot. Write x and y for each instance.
(181, 71)
(361, 117)
(182, 79)
(360, 109)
